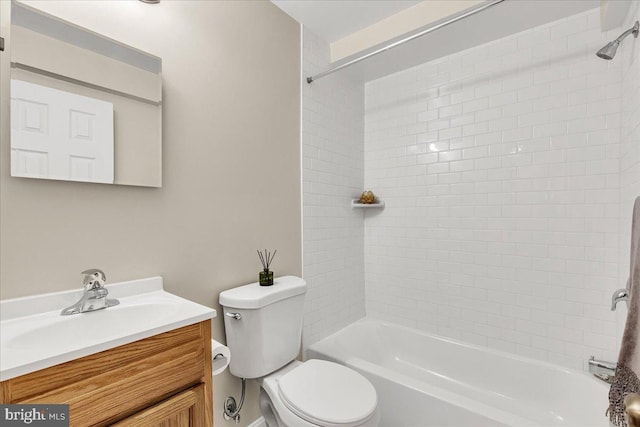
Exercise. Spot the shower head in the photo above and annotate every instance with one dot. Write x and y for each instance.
(609, 50)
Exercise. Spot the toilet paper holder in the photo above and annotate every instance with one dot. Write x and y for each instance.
(221, 357)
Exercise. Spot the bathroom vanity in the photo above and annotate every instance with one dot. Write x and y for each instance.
(164, 379)
(152, 367)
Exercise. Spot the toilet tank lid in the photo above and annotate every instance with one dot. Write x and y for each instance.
(254, 296)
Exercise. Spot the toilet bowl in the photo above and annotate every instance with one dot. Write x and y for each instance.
(263, 326)
(318, 393)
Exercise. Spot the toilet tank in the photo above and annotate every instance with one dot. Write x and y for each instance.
(263, 325)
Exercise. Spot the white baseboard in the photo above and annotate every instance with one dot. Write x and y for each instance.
(258, 423)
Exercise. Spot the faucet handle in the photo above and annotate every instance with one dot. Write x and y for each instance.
(94, 278)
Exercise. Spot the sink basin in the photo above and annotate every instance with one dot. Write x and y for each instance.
(97, 325)
(39, 340)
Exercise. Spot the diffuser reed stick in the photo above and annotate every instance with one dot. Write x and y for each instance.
(266, 258)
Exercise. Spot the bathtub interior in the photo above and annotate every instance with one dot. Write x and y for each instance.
(507, 388)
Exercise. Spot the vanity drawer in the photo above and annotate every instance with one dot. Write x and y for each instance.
(114, 384)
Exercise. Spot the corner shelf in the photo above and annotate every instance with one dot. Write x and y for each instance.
(355, 204)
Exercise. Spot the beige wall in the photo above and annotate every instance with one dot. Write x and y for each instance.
(231, 172)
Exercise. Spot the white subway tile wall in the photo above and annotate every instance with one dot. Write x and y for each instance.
(333, 161)
(501, 171)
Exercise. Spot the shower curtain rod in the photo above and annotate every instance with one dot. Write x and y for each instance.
(426, 31)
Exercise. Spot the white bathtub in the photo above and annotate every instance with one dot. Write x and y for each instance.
(427, 380)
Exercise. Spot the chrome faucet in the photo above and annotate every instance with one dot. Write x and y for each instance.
(602, 370)
(620, 295)
(94, 296)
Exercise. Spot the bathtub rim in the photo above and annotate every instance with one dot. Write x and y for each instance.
(502, 353)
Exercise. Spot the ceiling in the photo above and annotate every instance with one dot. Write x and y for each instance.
(334, 19)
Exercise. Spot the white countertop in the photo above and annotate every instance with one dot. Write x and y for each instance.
(34, 336)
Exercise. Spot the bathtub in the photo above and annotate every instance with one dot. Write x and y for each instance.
(427, 380)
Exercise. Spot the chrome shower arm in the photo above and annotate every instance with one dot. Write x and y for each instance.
(633, 30)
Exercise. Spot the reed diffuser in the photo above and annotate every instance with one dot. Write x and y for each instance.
(266, 276)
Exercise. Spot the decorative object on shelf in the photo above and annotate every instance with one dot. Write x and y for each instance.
(367, 198)
(266, 276)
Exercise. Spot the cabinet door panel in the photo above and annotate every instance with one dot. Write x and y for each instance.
(185, 409)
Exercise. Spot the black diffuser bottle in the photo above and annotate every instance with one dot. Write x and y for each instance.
(266, 275)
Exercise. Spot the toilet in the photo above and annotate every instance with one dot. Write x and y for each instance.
(263, 326)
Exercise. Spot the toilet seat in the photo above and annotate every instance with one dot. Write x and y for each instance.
(328, 394)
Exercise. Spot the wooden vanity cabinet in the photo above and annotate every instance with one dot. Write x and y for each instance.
(163, 380)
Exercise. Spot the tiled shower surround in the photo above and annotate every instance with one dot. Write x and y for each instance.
(333, 158)
(500, 166)
(508, 172)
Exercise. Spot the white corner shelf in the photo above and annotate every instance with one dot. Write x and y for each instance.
(355, 204)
